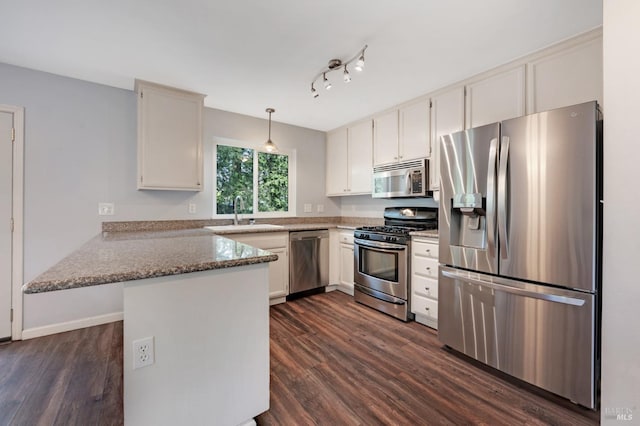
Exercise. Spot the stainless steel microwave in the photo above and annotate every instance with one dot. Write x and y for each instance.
(400, 180)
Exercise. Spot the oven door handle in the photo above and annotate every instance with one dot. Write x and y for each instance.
(382, 246)
(380, 296)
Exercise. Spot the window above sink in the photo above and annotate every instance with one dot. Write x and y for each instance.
(265, 181)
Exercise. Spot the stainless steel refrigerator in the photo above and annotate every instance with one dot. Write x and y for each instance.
(520, 229)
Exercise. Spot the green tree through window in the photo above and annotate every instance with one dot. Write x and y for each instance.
(238, 169)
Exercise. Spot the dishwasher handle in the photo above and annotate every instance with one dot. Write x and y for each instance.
(308, 235)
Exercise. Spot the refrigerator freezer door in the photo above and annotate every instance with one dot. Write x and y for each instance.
(549, 199)
(542, 335)
(467, 216)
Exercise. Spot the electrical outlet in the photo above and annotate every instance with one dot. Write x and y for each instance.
(308, 208)
(192, 208)
(106, 209)
(143, 353)
(320, 208)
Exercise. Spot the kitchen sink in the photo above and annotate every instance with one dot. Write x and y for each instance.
(255, 227)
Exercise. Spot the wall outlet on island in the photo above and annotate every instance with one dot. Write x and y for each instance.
(320, 208)
(143, 352)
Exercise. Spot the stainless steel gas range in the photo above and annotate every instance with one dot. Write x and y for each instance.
(382, 259)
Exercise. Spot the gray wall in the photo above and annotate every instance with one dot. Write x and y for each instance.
(621, 269)
(80, 149)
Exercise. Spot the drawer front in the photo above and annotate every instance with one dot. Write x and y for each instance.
(424, 306)
(425, 266)
(422, 249)
(423, 286)
(346, 238)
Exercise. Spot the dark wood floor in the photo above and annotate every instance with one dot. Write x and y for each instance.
(72, 378)
(333, 362)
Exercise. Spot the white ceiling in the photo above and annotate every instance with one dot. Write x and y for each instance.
(247, 55)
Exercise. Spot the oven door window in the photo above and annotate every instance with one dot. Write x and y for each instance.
(379, 264)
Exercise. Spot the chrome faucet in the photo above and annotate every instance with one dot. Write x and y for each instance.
(235, 208)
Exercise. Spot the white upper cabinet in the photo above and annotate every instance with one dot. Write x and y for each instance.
(414, 131)
(337, 167)
(568, 77)
(169, 138)
(385, 138)
(349, 160)
(360, 158)
(447, 116)
(496, 98)
(402, 135)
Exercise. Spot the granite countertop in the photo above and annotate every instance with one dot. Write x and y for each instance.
(127, 251)
(431, 233)
(124, 256)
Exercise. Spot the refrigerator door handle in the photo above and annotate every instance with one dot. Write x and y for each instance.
(502, 197)
(491, 197)
(514, 290)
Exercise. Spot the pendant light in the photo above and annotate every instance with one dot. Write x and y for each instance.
(269, 146)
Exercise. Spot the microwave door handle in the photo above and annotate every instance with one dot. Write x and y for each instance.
(491, 197)
(502, 198)
(408, 187)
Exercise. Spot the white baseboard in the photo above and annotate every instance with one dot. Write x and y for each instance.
(46, 330)
(346, 289)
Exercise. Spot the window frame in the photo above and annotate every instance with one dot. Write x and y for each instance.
(256, 147)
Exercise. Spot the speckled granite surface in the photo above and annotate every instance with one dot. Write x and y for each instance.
(145, 249)
(125, 256)
(426, 234)
(293, 222)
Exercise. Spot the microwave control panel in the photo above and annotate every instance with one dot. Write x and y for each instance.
(416, 182)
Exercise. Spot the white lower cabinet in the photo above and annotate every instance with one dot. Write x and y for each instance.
(341, 270)
(424, 281)
(346, 262)
(276, 243)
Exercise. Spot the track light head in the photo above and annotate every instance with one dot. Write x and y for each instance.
(327, 83)
(346, 76)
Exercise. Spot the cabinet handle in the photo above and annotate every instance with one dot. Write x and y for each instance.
(426, 308)
(395, 158)
(426, 289)
(428, 268)
(428, 251)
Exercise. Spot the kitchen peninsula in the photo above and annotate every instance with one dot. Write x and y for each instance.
(203, 300)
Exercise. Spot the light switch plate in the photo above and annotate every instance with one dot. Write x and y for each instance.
(308, 208)
(106, 209)
(192, 208)
(320, 208)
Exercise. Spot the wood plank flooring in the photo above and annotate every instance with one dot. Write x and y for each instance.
(333, 362)
(72, 378)
(336, 362)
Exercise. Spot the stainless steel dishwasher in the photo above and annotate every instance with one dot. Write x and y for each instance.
(309, 260)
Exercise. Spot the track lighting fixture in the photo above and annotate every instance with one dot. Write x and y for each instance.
(335, 65)
(269, 146)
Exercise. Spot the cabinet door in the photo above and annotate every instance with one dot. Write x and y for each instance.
(414, 131)
(279, 273)
(360, 158)
(496, 98)
(566, 78)
(385, 138)
(447, 116)
(337, 179)
(169, 138)
(346, 265)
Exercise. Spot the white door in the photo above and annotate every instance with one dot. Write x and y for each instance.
(6, 175)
